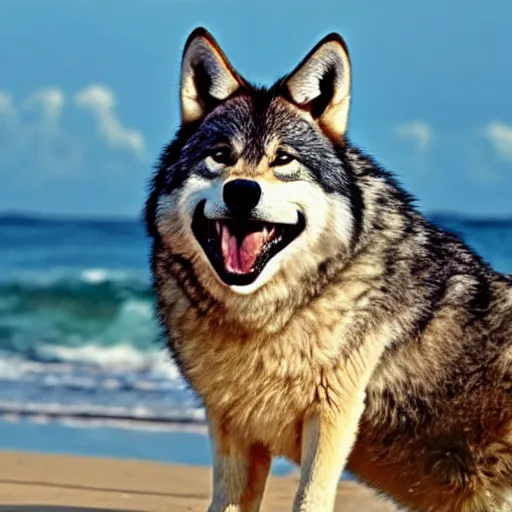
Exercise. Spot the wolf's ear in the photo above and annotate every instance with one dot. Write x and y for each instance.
(320, 84)
(207, 77)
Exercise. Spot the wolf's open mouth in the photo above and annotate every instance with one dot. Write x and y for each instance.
(240, 249)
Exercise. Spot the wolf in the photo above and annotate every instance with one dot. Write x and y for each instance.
(318, 315)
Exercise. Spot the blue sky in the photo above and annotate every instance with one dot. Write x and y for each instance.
(89, 90)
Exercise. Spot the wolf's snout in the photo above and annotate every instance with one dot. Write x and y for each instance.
(241, 196)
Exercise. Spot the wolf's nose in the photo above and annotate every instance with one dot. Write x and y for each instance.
(241, 196)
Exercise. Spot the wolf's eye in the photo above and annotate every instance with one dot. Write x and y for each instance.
(221, 155)
(282, 158)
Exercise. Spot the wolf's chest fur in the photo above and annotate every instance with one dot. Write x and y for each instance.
(258, 388)
(259, 384)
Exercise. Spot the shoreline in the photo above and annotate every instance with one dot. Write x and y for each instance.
(34, 482)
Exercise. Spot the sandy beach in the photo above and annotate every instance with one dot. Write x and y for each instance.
(56, 483)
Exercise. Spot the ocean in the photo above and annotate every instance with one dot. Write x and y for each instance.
(78, 336)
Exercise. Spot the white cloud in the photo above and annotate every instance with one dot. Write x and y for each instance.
(419, 132)
(101, 102)
(500, 135)
(32, 138)
(50, 101)
(45, 134)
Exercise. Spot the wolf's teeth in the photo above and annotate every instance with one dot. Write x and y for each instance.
(272, 232)
(217, 227)
(265, 234)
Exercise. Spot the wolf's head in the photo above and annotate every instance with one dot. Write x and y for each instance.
(255, 190)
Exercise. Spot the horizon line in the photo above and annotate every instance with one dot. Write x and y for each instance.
(67, 217)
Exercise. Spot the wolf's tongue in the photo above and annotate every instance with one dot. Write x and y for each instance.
(240, 259)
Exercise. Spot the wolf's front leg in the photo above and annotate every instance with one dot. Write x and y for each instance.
(239, 473)
(327, 439)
